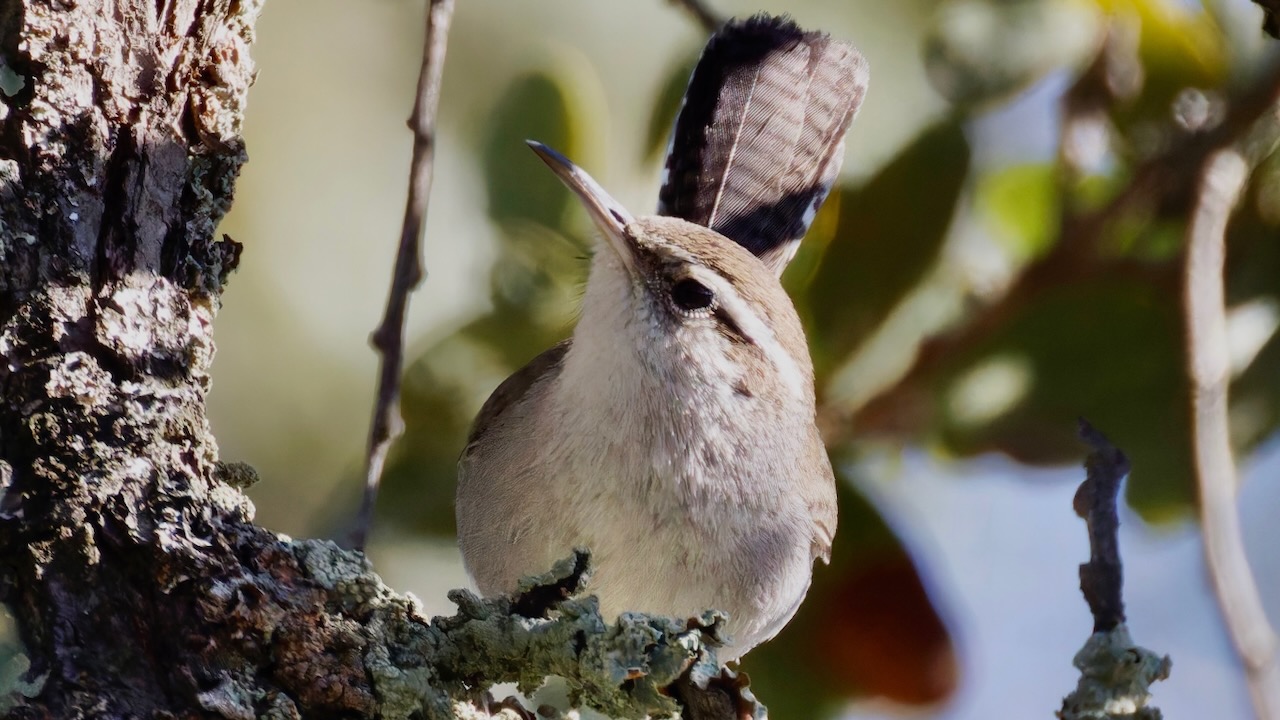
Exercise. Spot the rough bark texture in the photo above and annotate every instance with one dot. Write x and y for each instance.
(118, 155)
(128, 557)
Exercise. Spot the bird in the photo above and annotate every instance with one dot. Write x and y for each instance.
(674, 434)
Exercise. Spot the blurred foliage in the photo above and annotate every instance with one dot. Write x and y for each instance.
(1087, 322)
(1021, 203)
(534, 287)
(888, 237)
(536, 106)
(979, 52)
(1108, 348)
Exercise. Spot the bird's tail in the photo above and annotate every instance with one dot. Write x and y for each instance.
(759, 140)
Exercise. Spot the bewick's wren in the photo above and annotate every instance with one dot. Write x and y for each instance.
(674, 435)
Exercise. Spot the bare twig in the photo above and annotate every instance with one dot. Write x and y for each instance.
(706, 17)
(1115, 674)
(1221, 184)
(388, 338)
(1102, 578)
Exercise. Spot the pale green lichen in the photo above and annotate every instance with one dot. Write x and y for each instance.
(403, 690)
(331, 566)
(1115, 679)
(238, 475)
(15, 685)
(231, 699)
(280, 707)
(440, 668)
(11, 83)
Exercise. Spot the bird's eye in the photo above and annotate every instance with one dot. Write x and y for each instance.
(689, 295)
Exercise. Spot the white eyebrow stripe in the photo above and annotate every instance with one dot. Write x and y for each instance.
(753, 327)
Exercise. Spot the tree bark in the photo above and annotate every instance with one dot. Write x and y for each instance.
(128, 557)
(129, 563)
(119, 151)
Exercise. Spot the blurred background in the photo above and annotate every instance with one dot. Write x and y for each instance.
(970, 289)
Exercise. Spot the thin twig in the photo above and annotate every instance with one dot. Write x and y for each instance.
(706, 17)
(388, 338)
(1115, 674)
(1221, 183)
(1102, 578)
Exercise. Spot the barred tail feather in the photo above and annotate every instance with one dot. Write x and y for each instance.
(759, 141)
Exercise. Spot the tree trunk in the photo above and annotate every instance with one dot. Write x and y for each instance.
(137, 582)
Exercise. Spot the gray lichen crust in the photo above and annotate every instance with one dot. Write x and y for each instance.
(622, 668)
(1115, 679)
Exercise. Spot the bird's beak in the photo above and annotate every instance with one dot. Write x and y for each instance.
(607, 213)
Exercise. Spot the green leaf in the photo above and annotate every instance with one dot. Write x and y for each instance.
(1021, 204)
(889, 235)
(1142, 237)
(1108, 348)
(978, 51)
(1253, 276)
(536, 106)
(1253, 238)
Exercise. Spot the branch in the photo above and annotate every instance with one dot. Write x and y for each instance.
(630, 668)
(1102, 578)
(1115, 674)
(1221, 184)
(388, 338)
(707, 18)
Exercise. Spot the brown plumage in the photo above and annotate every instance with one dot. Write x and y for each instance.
(675, 434)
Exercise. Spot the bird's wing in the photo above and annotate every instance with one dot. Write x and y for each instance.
(547, 365)
(820, 492)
